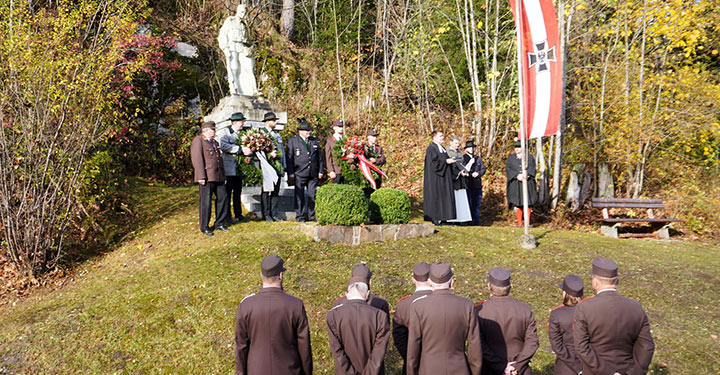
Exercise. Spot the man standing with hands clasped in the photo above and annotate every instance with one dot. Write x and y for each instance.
(210, 176)
(305, 167)
(611, 332)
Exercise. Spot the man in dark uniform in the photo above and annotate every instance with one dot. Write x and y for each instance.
(560, 330)
(612, 332)
(401, 318)
(375, 153)
(438, 193)
(228, 139)
(333, 166)
(507, 327)
(474, 180)
(513, 172)
(271, 328)
(358, 333)
(210, 175)
(440, 324)
(305, 166)
(362, 270)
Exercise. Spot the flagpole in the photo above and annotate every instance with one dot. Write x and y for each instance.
(523, 143)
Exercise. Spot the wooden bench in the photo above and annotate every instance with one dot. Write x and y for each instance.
(609, 226)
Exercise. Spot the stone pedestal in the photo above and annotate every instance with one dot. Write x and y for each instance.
(528, 241)
(253, 107)
(283, 207)
(355, 235)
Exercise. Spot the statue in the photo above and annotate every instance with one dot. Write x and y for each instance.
(237, 46)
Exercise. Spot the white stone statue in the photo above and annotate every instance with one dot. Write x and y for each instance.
(237, 46)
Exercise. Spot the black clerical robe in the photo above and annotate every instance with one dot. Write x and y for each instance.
(438, 194)
(513, 167)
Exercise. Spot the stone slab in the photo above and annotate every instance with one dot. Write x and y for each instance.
(253, 107)
(356, 235)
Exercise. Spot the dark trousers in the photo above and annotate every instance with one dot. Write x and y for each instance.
(234, 193)
(267, 198)
(474, 198)
(221, 203)
(305, 208)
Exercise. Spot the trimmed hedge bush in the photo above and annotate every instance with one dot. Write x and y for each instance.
(389, 206)
(340, 205)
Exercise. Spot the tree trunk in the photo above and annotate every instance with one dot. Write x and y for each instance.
(287, 18)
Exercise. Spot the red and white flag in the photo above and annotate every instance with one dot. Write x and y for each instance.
(541, 66)
(365, 167)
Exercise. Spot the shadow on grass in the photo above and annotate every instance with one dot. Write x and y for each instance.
(149, 203)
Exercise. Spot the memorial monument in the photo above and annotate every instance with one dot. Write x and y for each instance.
(237, 45)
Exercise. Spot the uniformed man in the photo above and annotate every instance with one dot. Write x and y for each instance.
(560, 325)
(305, 167)
(362, 270)
(333, 167)
(612, 332)
(507, 327)
(375, 153)
(474, 180)
(401, 318)
(267, 197)
(271, 328)
(440, 325)
(358, 333)
(228, 139)
(210, 176)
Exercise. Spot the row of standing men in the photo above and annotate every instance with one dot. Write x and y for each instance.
(216, 170)
(437, 332)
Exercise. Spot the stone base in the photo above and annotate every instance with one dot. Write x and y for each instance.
(253, 107)
(356, 235)
(528, 241)
(284, 206)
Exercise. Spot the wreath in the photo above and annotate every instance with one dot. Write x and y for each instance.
(249, 166)
(345, 151)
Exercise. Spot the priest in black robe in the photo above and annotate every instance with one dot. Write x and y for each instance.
(513, 171)
(438, 193)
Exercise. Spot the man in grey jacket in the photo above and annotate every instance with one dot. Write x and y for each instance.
(228, 139)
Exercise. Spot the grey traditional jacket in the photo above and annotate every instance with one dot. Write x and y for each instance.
(228, 140)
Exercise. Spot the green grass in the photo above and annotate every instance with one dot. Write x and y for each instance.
(164, 301)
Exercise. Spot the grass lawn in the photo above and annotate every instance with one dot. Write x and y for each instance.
(164, 301)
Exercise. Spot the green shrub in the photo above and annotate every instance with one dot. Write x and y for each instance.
(389, 206)
(340, 205)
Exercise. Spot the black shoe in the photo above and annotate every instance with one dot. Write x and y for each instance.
(231, 221)
(242, 219)
(275, 218)
(300, 219)
(269, 219)
(208, 232)
(222, 228)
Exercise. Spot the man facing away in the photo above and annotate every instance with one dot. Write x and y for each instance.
(401, 318)
(210, 176)
(358, 332)
(440, 325)
(611, 332)
(271, 328)
(507, 327)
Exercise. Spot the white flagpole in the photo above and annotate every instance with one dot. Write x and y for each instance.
(526, 216)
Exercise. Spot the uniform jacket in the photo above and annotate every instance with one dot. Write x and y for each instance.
(376, 152)
(561, 340)
(359, 335)
(479, 167)
(508, 333)
(612, 334)
(228, 139)
(440, 324)
(300, 161)
(401, 320)
(272, 335)
(329, 158)
(207, 160)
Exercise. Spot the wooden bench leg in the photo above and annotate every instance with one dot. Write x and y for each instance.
(609, 231)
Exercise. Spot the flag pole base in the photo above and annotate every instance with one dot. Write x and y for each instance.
(528, 241)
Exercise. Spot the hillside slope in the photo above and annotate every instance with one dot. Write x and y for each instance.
(164, 301)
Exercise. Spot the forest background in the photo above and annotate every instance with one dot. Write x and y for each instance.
(95, 92)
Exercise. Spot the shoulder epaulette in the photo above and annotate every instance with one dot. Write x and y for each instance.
(555, 308)
(402, 298)
(585, 299)
(336, 307)
(243, 300)
(480, 303)
(419, 298)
